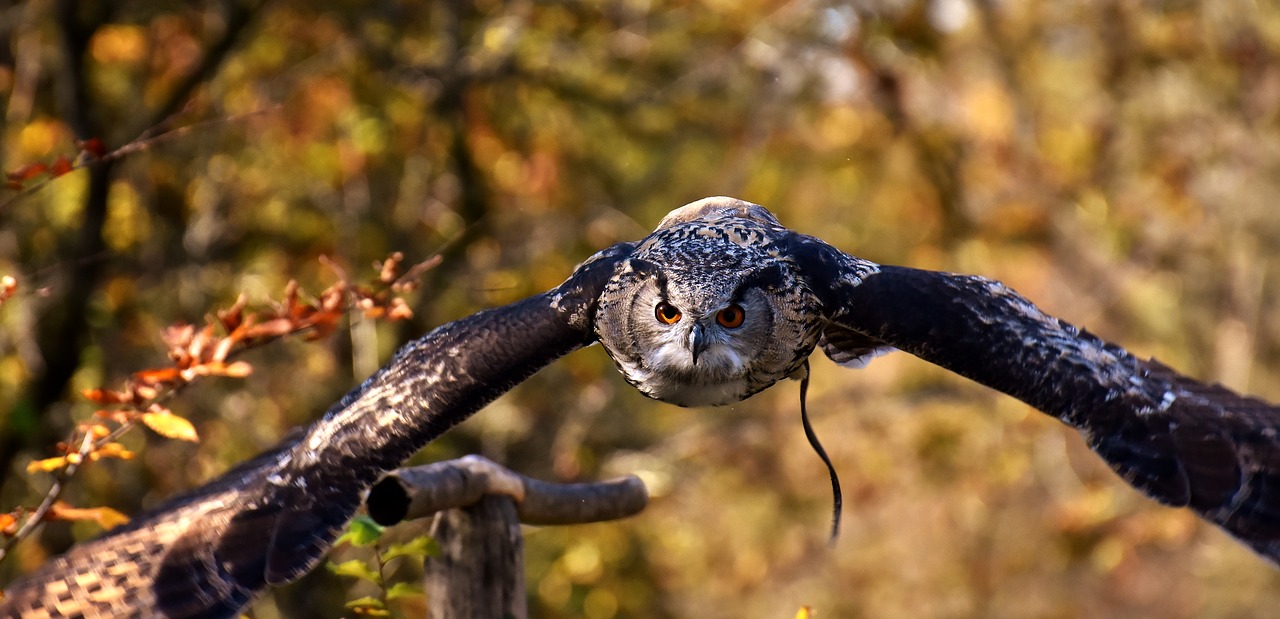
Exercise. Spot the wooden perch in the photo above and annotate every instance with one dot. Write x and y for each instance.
(419, 491)
(480, 569)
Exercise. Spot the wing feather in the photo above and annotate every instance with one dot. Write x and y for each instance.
(1181, 441)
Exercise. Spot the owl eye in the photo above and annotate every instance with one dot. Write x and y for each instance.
(731, 317)
(667, 313)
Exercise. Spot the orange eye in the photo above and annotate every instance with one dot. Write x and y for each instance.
(731, 317)
(667, 313)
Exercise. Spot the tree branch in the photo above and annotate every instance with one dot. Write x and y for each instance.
(416, 492)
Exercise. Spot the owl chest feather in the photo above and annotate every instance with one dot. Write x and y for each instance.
(722, 375)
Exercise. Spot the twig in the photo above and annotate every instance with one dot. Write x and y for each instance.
(51, 497)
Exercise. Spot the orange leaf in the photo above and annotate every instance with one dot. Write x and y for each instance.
(399, 310)
(157, 375)
(8, 286)
(200, 342)
(178, 336)
(116, 416)
(223, 348)
(334, 297)
(322, 323)
(163, 422)
(8, 524)
(106, 517)
(106, 396)
(290, 296)
(389, 270)
(98, 430)
(143, 393)
(275, 327)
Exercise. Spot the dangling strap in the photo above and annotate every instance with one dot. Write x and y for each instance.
(838, 498)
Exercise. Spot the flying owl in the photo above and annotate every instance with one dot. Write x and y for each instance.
(718, 303)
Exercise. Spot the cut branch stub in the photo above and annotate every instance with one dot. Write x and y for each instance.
(420, 491)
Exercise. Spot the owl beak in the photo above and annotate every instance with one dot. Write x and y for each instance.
(698, 341)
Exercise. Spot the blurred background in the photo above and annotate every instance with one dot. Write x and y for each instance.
(1115, 161)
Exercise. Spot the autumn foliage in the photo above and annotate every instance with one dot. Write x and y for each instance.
(195, 353)
(1113, 161)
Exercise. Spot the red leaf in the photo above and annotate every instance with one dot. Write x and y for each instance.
(93, 146)
(233, 316)
(27, 172)
(60, 166)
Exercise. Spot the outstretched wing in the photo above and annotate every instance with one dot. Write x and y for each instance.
(1180, 441)
(270, 520)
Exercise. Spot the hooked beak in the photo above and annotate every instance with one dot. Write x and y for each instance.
(698, 341)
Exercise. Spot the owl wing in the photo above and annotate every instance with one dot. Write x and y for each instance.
(1180, 441)
(850, 348)
(270, 520)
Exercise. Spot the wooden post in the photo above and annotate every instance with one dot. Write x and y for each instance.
(480, 571)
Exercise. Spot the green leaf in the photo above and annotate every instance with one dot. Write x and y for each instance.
(367, 601)
(362, 531)
(369, 607)
(424, 546)
(404, 590)
(356, 568)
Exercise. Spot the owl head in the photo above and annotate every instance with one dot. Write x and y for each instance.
(705, 312)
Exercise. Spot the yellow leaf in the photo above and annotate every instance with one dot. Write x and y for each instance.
(106, 517)
(235, 369)
(110, 450)
(47, 465)
(805, 612)
(163, 422)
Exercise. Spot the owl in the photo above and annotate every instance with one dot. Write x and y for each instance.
(706, 311)
(718, 303)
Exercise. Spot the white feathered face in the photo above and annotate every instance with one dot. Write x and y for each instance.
(702, 336)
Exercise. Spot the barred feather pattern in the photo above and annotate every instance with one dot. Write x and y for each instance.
(269, 521)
